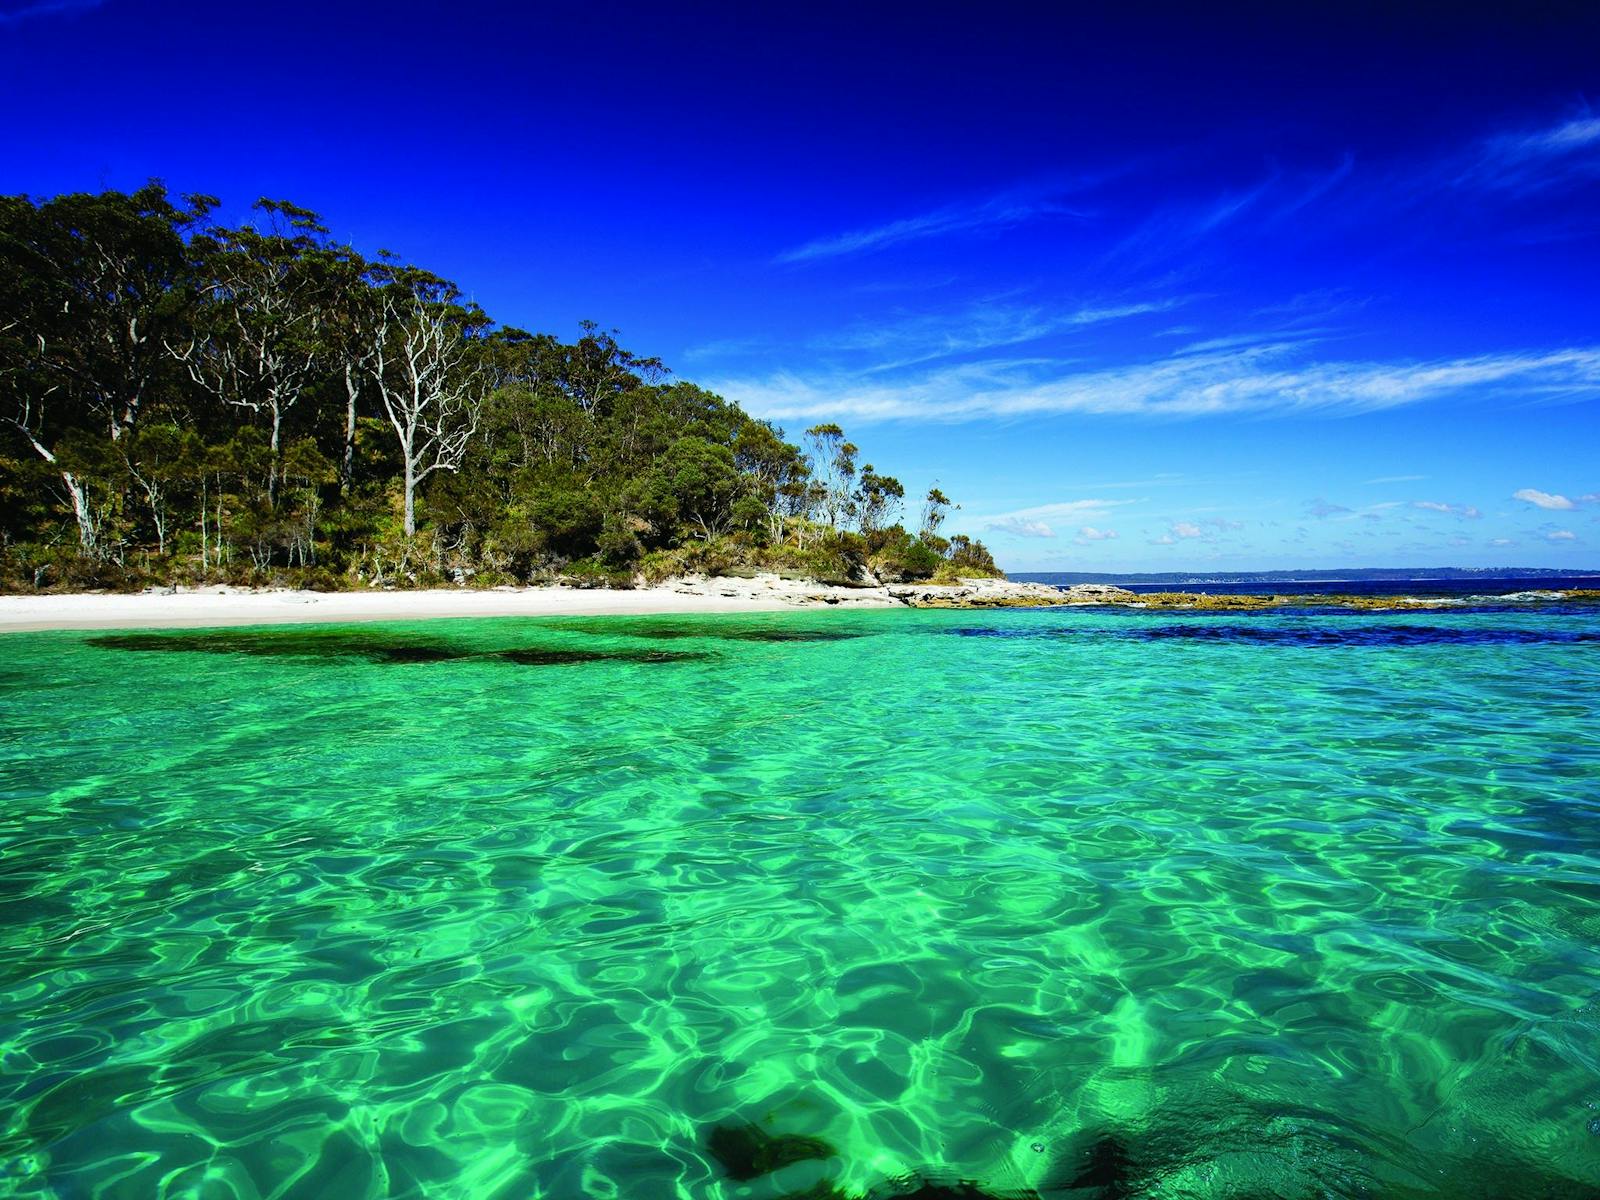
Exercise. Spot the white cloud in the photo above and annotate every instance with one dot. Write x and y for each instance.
(1258, 379)
(1561, 535)
(1465, 511)
(1021, 528)
(1090, 534)
(1501, 542)
(1543, 499)
(1179, 531)
(1395, 479)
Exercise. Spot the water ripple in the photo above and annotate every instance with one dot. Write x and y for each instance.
(1061, 903)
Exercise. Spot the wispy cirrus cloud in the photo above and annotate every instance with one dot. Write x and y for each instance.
(1523, 160)
(1464, 511)
(1271, 379)
(46, 8)
(995, 213)
(1035, 522)
(984, 325)
(1395, 479)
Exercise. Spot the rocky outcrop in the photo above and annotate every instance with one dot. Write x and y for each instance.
(977, 593)
(968, 593)
(1099, 593)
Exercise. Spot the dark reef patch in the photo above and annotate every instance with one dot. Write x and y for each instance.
(1332, 634)
(372, 648)
(749, 1152)
(1104, 1167)
(1124, 1165)
(746, 1152)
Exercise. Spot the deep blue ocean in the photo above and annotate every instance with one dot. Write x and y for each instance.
(1457, 588)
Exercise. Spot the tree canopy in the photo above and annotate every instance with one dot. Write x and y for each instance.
(183, 401)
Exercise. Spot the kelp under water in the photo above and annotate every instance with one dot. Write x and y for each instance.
(372, 646)
(1004, 905)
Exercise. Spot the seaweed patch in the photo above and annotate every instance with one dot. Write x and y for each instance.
(374, 648)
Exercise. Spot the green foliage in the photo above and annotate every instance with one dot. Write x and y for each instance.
(186, 402)
(971, 558)
(897, 557)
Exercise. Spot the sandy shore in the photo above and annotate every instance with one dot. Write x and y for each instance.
(237, 606)
(218, 606)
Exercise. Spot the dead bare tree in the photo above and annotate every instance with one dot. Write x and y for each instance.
(430, 386)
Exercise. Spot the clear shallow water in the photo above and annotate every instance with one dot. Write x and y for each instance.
(1157, 905)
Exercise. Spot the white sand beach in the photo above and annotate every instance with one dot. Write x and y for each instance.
(220, 606)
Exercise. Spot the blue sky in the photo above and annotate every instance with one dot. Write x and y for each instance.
(1286, 286)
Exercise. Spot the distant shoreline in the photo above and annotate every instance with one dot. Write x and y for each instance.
(1361, 578)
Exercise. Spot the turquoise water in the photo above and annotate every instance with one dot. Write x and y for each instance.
(1066, 903)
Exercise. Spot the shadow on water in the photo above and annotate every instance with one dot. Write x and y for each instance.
(1322, 635)
(375, 648)
(1238, 1159)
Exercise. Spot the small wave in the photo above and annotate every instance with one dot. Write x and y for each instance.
(1530, 597)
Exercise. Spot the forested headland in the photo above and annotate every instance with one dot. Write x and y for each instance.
(184, 402)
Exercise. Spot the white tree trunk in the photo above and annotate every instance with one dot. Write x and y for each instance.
(88, 539)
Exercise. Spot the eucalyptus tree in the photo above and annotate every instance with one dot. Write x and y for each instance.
(776, 469)
(256, 341)
(86, 296)
(429, 376)
(877, 499)
(935, 508)
(597, 369)
(350, 310)
(704, 482)
(163, 459)
(833, 468)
